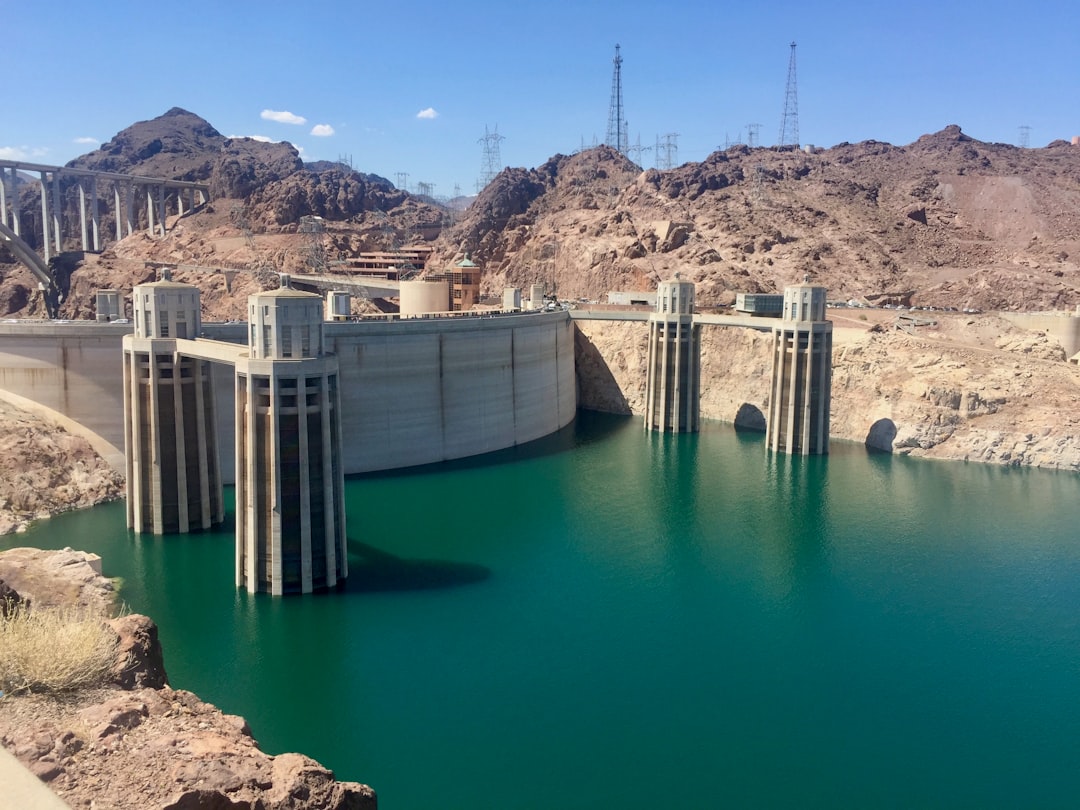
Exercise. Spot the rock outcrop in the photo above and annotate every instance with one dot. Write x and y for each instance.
(141, 743)
(45, 470)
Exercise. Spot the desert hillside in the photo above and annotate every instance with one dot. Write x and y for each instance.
(947, 222)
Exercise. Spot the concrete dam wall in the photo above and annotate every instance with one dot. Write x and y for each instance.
(413, 392)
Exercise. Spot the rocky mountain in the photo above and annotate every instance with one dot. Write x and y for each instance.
(945, 221)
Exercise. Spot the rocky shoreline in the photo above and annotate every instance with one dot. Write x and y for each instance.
(138, 742)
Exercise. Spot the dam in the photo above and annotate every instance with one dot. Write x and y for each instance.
(301, 402)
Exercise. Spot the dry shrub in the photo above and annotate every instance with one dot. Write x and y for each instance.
(54, 650)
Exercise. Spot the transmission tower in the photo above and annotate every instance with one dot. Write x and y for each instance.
(491, 161)
(635, 150)
(402, 180)
(1025, 136)
(616, 124)
(789, 123)
(667, 151)
(425, 189)
(752, 131)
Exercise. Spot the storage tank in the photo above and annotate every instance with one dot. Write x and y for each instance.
(421, 297)
(512, 298)
(107, 305)
(536, 296)
(338, 305)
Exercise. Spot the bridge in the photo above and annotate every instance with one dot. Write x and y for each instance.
(133, 197)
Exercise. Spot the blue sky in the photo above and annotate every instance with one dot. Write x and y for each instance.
(411, 86)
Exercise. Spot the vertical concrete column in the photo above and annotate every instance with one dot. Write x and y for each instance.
(201, 445)
(132, 440)
(181, 443)
(117, 210)
(277, 585)
(154, 427)
(180, 201)
(16, 214)
(3, 197)
(57, 214)
(305, 483)
(150, 227)
(94, 216)
(161, 207)
(129, 208)
(45, 215)
(82, 215)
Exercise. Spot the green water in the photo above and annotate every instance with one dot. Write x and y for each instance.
(606, 619)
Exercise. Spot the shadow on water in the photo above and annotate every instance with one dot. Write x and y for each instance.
(372, 570)
(588, 427)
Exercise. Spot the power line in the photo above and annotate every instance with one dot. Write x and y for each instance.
(789, 123)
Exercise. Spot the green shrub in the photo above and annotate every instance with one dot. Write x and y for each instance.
(54, 650)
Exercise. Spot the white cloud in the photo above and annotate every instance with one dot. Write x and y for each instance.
(22, 152)
(282, 117)
(322, 130)
(427, 114)
(85, 140)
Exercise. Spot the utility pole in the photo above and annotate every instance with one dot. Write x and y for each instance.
(1025, 136)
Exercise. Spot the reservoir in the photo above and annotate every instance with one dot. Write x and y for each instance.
(606, 618)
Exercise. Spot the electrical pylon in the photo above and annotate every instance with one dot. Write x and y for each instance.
(491, 162)
(789, 123)
(617, 135)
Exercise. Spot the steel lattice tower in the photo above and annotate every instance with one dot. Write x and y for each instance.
(491, 163)
(617, 136)
(789, 123)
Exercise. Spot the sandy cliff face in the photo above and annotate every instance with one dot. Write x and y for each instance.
(45, 470)
(972, 388)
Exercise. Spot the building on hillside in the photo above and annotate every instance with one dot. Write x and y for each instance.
(464, 283)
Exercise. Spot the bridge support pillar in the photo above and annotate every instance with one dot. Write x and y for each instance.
(82, 217)
(161, 209)
(57, 214)
(801, 390)
(95, 223)
(170, 446)
(673, 381)
(290, 506)
(151, 227)
(3, 197)
(45, 216)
